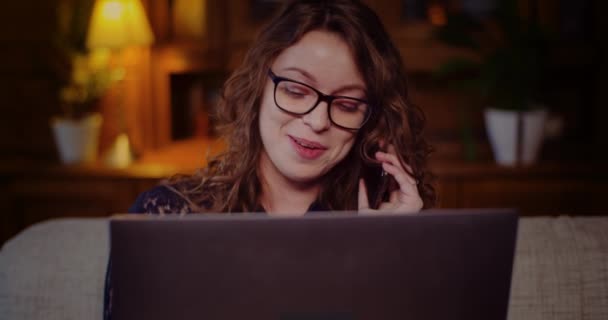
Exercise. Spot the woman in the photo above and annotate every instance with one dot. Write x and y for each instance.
(317, 114)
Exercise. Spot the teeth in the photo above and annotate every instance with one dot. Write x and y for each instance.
(304, 144)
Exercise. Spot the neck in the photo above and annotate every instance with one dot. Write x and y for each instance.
(281, 196)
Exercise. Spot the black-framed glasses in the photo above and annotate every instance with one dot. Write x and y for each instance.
(298, 98)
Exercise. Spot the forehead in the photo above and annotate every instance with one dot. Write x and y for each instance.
(323, 55)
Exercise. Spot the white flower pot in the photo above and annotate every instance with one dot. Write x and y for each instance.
(515, 136)
(77, 140)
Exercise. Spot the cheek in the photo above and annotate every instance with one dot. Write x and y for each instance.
(346, 142)
(263, 114)
(270, 115)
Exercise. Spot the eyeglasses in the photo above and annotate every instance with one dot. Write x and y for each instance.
(299, 99)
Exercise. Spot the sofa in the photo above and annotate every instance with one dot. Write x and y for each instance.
(55, 269)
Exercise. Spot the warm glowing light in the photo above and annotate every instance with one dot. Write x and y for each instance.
(112, 10)
(190, 18)
(437, 14)
(116, 24)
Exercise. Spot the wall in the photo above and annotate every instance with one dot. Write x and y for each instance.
(29, 64)
(27, 87)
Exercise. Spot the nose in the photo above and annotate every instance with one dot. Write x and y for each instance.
(318, 118)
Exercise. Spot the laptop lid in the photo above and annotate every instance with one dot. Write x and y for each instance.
(440, 264)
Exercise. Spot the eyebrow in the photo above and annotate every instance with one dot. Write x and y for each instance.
(312, 79)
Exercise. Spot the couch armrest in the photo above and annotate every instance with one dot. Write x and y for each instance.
(55, 270)
(561, 269)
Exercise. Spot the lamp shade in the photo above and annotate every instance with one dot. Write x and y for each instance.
(116, 24)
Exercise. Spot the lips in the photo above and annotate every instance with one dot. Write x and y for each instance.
(308, 144)
(307, 149)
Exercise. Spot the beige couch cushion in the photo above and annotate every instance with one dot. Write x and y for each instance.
(55, 270)
(561, 269)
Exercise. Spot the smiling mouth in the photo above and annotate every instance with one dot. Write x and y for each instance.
(308, 144)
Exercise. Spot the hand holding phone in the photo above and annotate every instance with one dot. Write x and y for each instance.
(391, 187)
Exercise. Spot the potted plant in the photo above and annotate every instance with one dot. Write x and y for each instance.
(77, 130)
(506, 77)
(81, 86)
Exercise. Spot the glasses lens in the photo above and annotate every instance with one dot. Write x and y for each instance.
(295, 97)
(348, 113)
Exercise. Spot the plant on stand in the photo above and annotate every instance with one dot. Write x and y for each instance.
(506, 78)
(86, 81)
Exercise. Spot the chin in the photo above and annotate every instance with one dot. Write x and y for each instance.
(301, 176)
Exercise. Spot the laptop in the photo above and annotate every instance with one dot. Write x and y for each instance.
(439, 264)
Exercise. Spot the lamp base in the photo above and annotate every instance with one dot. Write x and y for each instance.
(119, 154)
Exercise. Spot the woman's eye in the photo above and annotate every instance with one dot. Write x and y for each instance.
(296, 91)
(347, 106)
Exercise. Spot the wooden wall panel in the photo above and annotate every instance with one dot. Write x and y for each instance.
(27, 86)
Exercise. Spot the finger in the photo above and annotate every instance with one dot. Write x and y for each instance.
(394, 161)
(363, 201)
(388, 157)
(391, 150)
(381, 144)
(406, 183)
(407, 198)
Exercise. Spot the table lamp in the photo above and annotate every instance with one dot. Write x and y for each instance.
(116, 25)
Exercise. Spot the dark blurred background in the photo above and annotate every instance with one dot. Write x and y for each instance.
(154, 89)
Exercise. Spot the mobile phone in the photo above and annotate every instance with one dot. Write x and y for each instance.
(377, 182)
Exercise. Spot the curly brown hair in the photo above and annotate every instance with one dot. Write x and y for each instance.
(231, 181)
